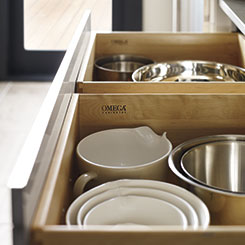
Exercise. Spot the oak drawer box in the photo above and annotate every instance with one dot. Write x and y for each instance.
(226, 48)
(201, 114)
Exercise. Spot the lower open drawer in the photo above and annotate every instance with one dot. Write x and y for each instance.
(182, 116)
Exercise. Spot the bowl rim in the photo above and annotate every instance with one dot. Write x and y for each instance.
(116, 57)
(177, 153)
(143, 198)
(150, 66)
(194, 178)
(123, 167)
(199, 206)
(185, 206)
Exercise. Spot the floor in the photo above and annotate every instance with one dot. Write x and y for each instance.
(19, 105)
(57, 20)
(49, 24)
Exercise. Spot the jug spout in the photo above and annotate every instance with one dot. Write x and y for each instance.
(145, 130)
(164, 135)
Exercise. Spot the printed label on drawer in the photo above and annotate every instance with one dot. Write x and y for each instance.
(114, 109)
(120, 42)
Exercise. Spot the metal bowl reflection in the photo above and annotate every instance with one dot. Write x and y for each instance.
(217, 164)
(226, 207)
(118, 67)
(189, 71)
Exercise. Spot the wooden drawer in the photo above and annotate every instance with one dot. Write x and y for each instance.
(201, 114)
(161, 47)
(42, 180)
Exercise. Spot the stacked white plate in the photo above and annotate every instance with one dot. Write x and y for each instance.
(142, 203)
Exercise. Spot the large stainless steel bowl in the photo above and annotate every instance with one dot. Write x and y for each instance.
(189, 71)
(226, 207)
(217, 164)
(118, 67)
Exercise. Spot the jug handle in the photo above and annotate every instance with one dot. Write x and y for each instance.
(81, 182)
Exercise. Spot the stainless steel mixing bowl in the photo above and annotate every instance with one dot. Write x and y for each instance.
(226, 207)
(189, 71)
(118, 67)
(217, 164)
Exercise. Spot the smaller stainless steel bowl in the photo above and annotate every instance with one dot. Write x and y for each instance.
(189, 71)
(217, 165)
(118, 67)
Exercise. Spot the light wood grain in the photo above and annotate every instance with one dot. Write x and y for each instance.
(50, 24)
(87, 66)
(160, 235)
(160, 87)
(57, 190)
(242, 50)
(220, 47)
(199, 115)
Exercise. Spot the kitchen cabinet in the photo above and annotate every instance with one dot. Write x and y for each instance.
(234, 9)
(42, 181)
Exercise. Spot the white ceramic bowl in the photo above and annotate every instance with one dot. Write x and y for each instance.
(123, 147)
(122, 153)
(199, 207)
(135, 210)
(184, 206)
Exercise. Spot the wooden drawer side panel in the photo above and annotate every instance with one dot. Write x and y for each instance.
(241, 50)
(56, 194)
(171, 46)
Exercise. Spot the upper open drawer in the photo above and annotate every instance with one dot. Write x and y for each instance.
(225, 48)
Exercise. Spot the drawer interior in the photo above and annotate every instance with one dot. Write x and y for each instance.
(161, 47)
(200, 115)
